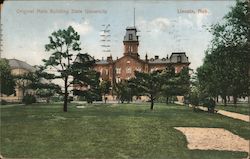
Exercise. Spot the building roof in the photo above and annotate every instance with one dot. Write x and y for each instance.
(173, 59)
(14, 63)
(131, 31)
(181, 55)
(158, 61)
(100, 62)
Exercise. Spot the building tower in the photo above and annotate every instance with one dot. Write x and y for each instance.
(131, 42)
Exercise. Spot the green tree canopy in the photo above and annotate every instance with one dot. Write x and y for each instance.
(6, 79)
(63, 45)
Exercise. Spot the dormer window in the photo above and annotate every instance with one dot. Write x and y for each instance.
(179, 58)
(130, 37)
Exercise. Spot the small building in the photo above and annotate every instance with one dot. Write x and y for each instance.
(18, 67)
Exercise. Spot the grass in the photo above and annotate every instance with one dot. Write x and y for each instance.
(239, 108)
(108, 131)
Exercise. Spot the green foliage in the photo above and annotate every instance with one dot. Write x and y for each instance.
(7, 82)
(63, 43)
(123, 91)
(105, 88)
(23, 81)
(29, 99)
(3, 102)
(210, 104)
(226, 64)
(148, 84)
(86, 79)
(175, 84)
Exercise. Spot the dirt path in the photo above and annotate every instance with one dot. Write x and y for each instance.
(235, 115)
(230, 114)
(214, 139)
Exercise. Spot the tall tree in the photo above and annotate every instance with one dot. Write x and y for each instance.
(86, 79)
(123, 91)
(226, 64)
(175, 84)
(6, 79)
(149, 84)
(63, 44)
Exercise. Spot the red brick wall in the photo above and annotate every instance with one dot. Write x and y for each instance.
(128, 62)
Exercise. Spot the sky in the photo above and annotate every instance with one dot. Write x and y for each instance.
(164, 26)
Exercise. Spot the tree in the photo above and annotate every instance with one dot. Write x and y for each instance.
(105, 89)
(86, 79)
(23, 81)
(148, 84)
(63, 43)
(175, 84)
(42, 85)
(226, 65)
(6, 79)
(124, 91)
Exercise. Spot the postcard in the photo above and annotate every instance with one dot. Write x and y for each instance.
(107, 79)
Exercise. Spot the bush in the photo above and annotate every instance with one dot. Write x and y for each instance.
(29, 99)
(210, 104)
(3, 102)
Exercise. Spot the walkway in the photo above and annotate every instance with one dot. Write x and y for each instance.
(226, 113)
(230, 114)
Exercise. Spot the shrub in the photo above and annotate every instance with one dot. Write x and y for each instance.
(29, 99)
(3, 102)
(210, 104)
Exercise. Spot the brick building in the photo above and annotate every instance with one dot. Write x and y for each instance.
(124, 67)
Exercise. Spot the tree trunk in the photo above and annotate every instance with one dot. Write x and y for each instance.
(217, 99)
(235, 100)
(167, 101)
(152, 103)
(225, 100)
(65, 109)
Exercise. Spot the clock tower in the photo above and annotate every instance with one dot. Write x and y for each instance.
(131, 42)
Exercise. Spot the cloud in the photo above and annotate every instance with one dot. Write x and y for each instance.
(184, 22)
(159, 24)
(82, 28)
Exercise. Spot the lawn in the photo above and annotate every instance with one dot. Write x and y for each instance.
(109, 131)
(239, 108)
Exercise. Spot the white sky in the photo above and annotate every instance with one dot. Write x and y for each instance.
(162, 29)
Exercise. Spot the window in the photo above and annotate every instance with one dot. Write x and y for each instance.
(118, 70)
(129, 48)
(138, 69)
(179, 58)
(107, 71)
(118, 79)
(130, 37)
(128, 62)
(128, 70)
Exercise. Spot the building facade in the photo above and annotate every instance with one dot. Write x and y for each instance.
(123, 68)
(18, 68)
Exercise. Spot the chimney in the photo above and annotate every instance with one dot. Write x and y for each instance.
(109, 58)
(156, 57)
